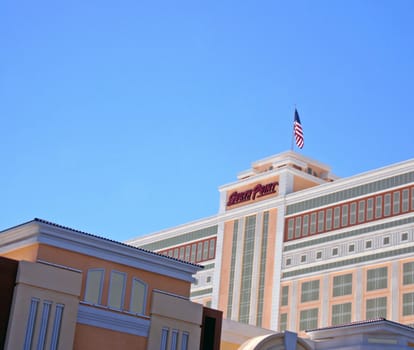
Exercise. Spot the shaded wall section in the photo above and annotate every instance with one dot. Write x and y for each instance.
(8, 272)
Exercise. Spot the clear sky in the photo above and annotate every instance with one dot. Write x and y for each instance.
(122, 118)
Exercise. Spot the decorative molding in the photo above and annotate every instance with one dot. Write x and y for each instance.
(114, 321)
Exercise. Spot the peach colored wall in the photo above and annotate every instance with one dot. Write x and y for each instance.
(271, 242)
(84, 262)
(386, 292)
(224, 345)
(252, 186)
(301, 184)
(105, 339)
(307, 305)
(345, 298)
(225, 266)
(28, 253)
(402, 290)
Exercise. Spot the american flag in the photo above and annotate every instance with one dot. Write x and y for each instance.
(298, 131)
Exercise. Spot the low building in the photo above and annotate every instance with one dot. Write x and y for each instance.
(66, 289)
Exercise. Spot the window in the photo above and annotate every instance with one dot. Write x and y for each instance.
(342, 285)
(176, 253)
(184, 341)
(193, 252)
(408, 273)
(396, 203)
(341, 313)
(174, 339)
(386, 240)
(318, 255)
(321, 221)
(283, 322)
(337, 214)
(370, 208)
(30, 326)
(164, 338)
(368, 244)
(310, 291)
(285, 296)
(117, 290)
(199, 251)
(208, 279)
(305, 229)
(405, 200)
(288, 261)
(378, 207)
(43, 324)
(328, 220)
(187, 253)
(138, 296)
(404, 236)
(352, 215)
(387, 204)
(94, 282)
(313, 223)
(344, 215)
(351, 248)
(205, 250)
(308, 319)
(408, 304)
(377, 278)
(361, 211)
(181, 253)
(303, 258)
(290, 228)
(412, 198)
(376, 308)
(212, 249)
(56, 326)
(298, 225)
(334, 251)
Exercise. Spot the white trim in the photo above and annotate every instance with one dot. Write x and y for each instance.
(277, 267)
(254, 288)
(58, 265)
(217, 266)
(115, 321)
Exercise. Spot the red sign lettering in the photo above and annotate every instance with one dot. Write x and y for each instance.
(258, 191)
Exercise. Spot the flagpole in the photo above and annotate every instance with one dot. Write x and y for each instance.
(293, 131)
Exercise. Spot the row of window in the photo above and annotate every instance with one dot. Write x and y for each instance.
(342, 284)
(368, 244)
(351, 213)
(44, 324)
(357, 191)
(342, 313)
(175, 339)
(195, 252)
(117, 287)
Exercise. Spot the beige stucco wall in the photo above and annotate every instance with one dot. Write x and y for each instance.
(50, 284)
(175, 313)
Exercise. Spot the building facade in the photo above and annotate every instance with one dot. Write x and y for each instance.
(294, 247)
(65, 289)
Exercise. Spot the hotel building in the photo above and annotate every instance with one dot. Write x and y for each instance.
(294, 247)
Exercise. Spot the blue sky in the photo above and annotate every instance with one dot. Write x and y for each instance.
(121, 118)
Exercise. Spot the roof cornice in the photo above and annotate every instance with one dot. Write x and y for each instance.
(43, 232)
